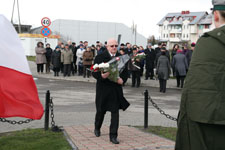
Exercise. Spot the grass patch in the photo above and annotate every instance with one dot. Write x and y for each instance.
(167, 132)
(33, 139)
(31, 58)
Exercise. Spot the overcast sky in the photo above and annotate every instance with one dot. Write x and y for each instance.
(145, 13)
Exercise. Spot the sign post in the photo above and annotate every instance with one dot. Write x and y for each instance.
(45, 31)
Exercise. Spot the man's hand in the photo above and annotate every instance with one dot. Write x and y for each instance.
(120, 81)
(105, 75)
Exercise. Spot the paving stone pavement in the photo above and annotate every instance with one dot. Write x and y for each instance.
(130, 139)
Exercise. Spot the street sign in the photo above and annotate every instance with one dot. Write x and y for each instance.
(45, 22)
(45, 31)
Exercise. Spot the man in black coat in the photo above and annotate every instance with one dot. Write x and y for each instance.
(150, 59)
(109, 95)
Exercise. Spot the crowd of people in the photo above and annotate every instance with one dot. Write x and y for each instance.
(71, 59)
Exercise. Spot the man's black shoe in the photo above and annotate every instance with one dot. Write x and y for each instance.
(114, 141)
(97, 133)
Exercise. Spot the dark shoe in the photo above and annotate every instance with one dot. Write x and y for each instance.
(97, 133)
(146, 78)
(114, 141)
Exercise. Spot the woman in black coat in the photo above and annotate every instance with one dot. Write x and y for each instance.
(56, 55)
(109, 94)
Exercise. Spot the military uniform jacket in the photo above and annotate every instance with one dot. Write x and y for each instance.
(109, 95)
(203, 97)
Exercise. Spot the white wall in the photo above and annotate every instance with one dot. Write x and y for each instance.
(29, 44)
(92, 31)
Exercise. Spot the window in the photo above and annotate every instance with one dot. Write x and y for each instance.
(163, 35)
(200, 27)
(167, 35)
(187, 36)
(183, 35)
(184, 27)
(172, 35)
(206, 26)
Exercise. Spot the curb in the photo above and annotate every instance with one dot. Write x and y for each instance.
(73, 146)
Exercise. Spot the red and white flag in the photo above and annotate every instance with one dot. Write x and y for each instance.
(18, 91)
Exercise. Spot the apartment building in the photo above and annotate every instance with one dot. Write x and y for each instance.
(184, 27)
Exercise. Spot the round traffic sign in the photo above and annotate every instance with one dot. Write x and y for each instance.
(45, 22)
(45, 31)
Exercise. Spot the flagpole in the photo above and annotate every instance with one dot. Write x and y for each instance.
(19, 16)
(13, 11)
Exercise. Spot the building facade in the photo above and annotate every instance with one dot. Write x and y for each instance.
(184, 27)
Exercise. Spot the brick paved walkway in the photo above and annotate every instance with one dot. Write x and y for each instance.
(130, 139)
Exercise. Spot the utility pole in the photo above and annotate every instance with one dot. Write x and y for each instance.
(19, 25)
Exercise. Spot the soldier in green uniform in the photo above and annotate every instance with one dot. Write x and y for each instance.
(201, 121)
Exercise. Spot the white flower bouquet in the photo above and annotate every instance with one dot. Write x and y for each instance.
(115, 66)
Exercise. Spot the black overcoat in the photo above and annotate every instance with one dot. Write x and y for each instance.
(109, 95)
(150, 58)
(55, 59)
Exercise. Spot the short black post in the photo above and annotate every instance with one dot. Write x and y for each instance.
(47, 101)
(146, 110)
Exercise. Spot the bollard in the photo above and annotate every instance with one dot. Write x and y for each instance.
(47, 101)
(146, 110)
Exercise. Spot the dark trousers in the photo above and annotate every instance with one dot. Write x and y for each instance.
(62, 65)
(149, 73)
(67, 70)
(40, 67)
(86, 71)
(141, 70)
(136, 78)
(113, 131)
(162, 85)
(80, 70)
(72, 68)
(180, 79)
(56, 71)
(47, 68)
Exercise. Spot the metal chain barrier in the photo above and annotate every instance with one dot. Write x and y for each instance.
(13, 122)
(54, 127)
(161, 111)
(52, 113)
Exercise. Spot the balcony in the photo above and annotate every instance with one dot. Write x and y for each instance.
(174, 39)
(176, 31)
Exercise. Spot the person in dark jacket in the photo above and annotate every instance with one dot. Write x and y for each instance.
(149, 62)
(134, 67)
(159, 54)
(189, 53)
(109, 95)
(56, 60)
(125, 72)
(74, 50)
(48, 55)
(163, 71)
(180, 65)
(158, 49)
(201, 121)
(128, 49)
(173, 53)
